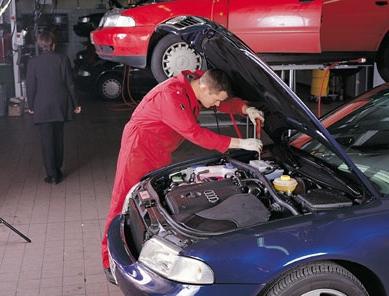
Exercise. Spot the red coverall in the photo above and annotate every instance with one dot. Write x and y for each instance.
(164, 118)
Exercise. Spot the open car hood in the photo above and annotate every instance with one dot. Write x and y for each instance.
(255, 82)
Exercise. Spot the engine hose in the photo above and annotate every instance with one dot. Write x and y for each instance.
(217, 119)
(126, 82)
(276, 198)
(283, 203)
(265, 183)
(238, 133)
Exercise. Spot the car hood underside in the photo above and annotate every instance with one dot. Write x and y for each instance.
(255, 82)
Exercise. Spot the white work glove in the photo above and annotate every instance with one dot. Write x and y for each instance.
(253, 113)
(77, 110)
(250, 144)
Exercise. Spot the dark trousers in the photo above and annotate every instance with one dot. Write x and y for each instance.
(52, 146)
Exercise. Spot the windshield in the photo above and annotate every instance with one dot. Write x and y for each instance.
(364, 135)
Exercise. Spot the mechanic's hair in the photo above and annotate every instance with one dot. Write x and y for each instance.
(46, 41)
(217, 81)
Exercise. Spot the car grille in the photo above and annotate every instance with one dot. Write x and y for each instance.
(184, 21)
(104, 49)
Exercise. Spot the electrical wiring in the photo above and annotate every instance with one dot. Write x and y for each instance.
(12, 34)
(126, 84)
(217, 119)
(3, 9)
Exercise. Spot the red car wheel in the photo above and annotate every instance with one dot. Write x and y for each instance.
(383, 59)
(171, 56)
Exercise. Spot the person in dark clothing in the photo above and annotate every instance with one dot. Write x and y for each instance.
(51, 99)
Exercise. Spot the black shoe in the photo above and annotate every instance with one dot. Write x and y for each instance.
(59, 174)
(109, 276)
(57, 179)
(48, 179)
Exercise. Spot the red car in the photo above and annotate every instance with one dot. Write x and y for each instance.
(279, 30)
(334, 117)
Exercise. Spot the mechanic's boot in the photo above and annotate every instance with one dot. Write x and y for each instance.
(109, 276)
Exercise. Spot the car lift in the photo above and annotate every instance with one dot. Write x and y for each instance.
(287, 73)
(352, 64)
(292, 68)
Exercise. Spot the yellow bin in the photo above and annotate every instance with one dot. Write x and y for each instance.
(319, 85)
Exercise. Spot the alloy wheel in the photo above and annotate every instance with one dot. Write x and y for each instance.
(324, 292)
(179, 56)
(111, 88)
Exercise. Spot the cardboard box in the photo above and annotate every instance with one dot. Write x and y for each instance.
(16, 106)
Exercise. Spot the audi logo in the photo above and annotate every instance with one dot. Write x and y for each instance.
(211, 196)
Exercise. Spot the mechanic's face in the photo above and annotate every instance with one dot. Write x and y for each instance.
(210, 97)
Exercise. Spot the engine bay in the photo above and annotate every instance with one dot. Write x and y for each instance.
(229, 194)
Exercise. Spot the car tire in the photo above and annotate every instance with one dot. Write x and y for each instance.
(318, 279)
(382, 59)
(109, 86)
(171, 55)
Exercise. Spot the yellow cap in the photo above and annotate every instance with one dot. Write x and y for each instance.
(285, 178)
(285, 184)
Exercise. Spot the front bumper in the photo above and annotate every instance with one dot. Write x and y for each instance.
(123, 45)
(105, 53)
(136, 279)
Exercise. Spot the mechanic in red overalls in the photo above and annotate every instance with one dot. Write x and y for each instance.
(164, 118)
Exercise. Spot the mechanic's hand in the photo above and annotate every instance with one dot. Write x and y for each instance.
(250, 144)
(253, 113)
(30, 111)
(77, 110)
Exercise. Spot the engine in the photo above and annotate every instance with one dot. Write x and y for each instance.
(215, 206)
(217, 197)
(186, 203)
(228, 196)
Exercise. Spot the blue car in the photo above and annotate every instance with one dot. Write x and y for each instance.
(310, 218)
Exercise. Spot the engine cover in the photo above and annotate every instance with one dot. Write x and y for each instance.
(185, 200)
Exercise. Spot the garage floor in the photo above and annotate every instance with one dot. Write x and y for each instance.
(64, 221)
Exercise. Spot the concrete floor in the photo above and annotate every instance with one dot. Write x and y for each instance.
(64, 221)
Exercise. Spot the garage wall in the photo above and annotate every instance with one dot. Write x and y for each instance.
(28, 5)
(73, 9)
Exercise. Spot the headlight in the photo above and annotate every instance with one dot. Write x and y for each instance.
(102, 21)
(117, 20)
(85, 19)
(83, 73)
(163, 258)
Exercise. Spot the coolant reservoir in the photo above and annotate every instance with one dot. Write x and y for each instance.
(219, 171)
(260, 165)
(285, 184)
